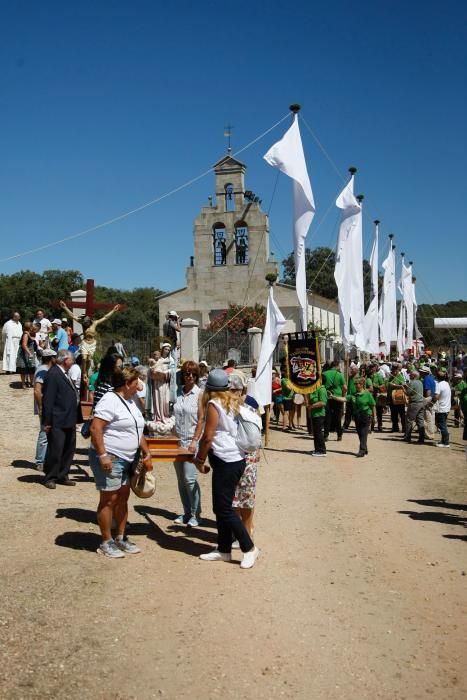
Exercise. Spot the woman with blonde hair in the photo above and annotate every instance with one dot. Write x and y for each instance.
(228, 464)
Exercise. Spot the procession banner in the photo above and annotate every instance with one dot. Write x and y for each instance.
(303, 363)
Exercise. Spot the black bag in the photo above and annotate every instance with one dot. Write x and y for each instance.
(86, 429)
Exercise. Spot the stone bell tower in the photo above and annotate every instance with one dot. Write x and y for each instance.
(231, 250)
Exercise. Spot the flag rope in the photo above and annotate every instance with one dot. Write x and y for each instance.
(125, 215)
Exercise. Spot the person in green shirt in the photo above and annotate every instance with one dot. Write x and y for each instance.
(396, 381)
(317, 401)
(336, 389)
(287, 402)
(458, 384)
(363, 407)
(351, 391)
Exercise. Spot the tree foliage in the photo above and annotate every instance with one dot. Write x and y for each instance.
(319, 264)
(238, 319)
(441, 338)
(28, 291)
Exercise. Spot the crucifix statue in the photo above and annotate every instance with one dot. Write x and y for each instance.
(89, 342)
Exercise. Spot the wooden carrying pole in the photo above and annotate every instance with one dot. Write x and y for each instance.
(267, 413)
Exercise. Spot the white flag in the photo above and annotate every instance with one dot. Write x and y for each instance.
(405, 332)
(371, 323)
(415, 307)
(388, 309)
(348, 272)
(273, 328)
(287, 155)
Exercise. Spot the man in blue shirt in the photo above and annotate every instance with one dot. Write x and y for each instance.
(60, 341)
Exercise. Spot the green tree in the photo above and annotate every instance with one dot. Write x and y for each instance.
(239, 319)
(319, 264)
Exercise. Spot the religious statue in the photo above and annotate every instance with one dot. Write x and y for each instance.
(89, 342)
(161, 379)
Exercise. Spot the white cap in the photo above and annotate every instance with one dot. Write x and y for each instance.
(57, 322)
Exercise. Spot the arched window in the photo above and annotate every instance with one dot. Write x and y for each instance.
(229, 197)
(241, 243)
(219, 244)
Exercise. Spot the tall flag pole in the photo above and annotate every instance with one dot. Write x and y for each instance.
(287, 155)
(348, 271)
(388, 309)
(371, 323)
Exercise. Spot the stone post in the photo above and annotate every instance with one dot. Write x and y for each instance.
(255, 344)
(189, 348)
(78, 298)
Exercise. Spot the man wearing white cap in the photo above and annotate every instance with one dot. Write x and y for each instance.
(60, 341)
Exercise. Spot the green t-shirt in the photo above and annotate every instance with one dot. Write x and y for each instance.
(461, 391)
(395, 379)
(378, 380)
(287, 391)
(92, 381)
(316, 396)
(334, 381)
(363, 403)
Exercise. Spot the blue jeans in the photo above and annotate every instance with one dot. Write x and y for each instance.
(188, 488)
(441, 422)
(41, 447)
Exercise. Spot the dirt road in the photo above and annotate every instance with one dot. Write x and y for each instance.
(360, 590)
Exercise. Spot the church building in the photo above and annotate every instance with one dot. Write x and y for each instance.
(232, 258)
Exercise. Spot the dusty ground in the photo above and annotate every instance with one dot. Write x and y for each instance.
(360, 590)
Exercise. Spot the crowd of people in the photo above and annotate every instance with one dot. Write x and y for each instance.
(203, 408)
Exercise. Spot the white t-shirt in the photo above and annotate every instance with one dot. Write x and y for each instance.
(223, 444)
(75, 375)
(443, 405)
(120, 435)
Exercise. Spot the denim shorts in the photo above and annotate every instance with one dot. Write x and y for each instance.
(110, 481)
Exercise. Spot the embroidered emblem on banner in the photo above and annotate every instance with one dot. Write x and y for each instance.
(303, 364)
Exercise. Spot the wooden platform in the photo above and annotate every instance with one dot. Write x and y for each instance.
(167, 449)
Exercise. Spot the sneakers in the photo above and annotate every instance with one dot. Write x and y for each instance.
(249, 558)
(181, 520)
(193, 522)
(215, 555)
(124, 545)
(235, 544)
(441, 444)
(318, 454)
(110, 549)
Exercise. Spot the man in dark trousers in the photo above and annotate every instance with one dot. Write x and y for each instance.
(59, 418)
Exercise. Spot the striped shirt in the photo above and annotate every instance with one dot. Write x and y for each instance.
(186, 414)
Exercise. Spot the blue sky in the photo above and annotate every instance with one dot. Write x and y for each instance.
(108, 105)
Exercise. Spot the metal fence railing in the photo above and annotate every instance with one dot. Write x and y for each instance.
(216, 347)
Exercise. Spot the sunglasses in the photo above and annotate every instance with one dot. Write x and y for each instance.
(190, 374)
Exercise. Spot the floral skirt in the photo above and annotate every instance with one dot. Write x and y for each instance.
(245, 493)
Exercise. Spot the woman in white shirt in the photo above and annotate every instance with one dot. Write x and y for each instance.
(116, 433)
(228, 465)
(188, 414)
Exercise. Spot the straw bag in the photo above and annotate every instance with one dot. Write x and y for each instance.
(143, 483)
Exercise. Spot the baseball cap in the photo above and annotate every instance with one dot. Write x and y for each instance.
(49, 353)
(57, 322)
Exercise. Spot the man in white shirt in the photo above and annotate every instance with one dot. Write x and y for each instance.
(442, 407)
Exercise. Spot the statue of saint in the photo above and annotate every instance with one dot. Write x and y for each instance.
(89, 342)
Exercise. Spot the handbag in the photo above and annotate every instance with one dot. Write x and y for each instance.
(142, 482)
